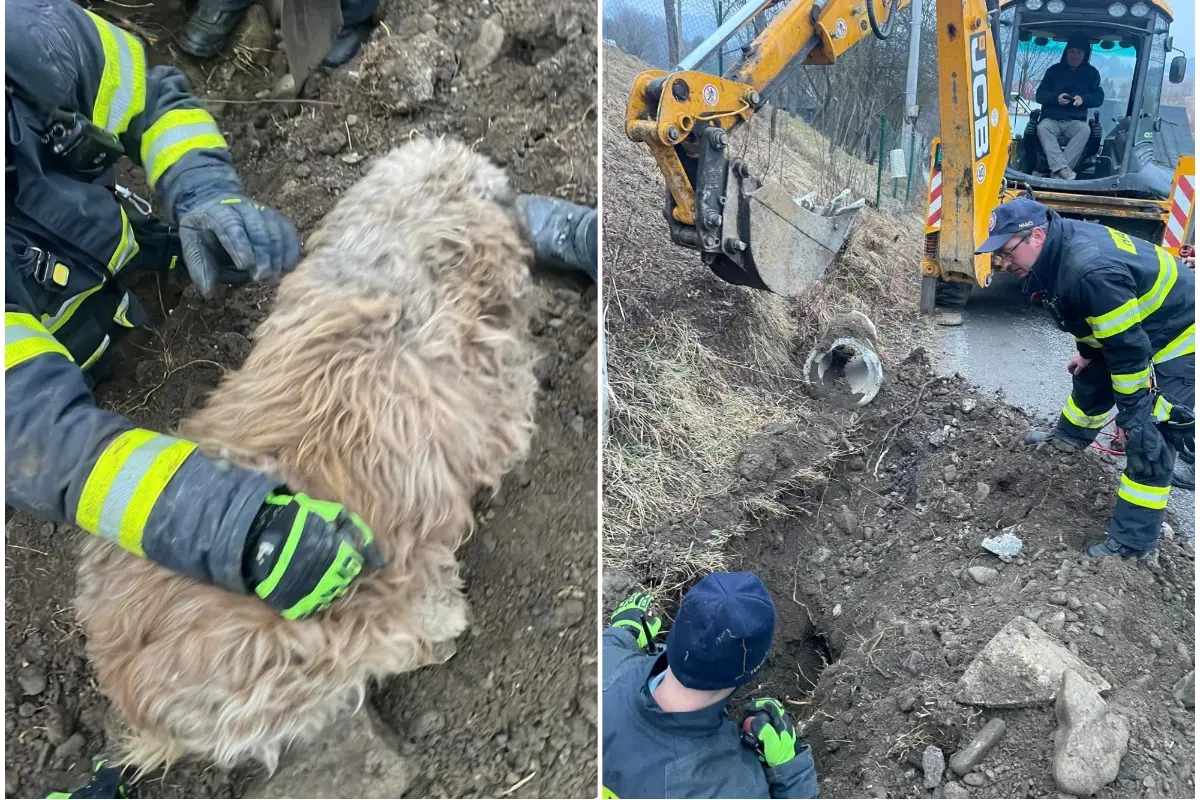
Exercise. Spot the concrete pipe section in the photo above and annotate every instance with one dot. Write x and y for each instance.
(844, 368)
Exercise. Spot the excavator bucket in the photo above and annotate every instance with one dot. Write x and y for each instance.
(789, 242)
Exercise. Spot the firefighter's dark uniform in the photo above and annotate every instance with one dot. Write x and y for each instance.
(69, 245)
(1131, 307)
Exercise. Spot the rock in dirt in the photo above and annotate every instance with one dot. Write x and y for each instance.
(845, 520)
(614, 585)
(913, 663)
(426, 725)
(933, 762)
(331, 142)
(32, 679)
(256, 35)
(1021, 666)
(1006, 544)
(486, 48)
(71, 748)
(984, 576)
(1091, 739)
(949, 320)
(352, 759)
(1185, 690)
(402, 72)
(974, 779)
(965, 760)
(953, 789)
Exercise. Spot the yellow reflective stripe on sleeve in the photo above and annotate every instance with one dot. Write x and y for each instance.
(1076, 416)
(126, 482)
(1122, 240)
(68, 309)
(1128, 383)
(25, 338)
(1182, 345)
(96, 355)
(121, 95)
(126, 249)
(1162, 409)
(1142, 495)
(1090, 341)
(1168, 273)
(1120, 319)
(174, 135)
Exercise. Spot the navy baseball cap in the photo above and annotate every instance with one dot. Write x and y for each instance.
(1011, 218)
(723, 631)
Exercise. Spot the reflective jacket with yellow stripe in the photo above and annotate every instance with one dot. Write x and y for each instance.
(67, 235)
(65, 458)
(1122, 297)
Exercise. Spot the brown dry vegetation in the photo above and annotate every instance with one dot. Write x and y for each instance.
(697, 366)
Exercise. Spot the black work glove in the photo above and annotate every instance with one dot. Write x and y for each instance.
(561, 234)
(302, 554)
(1146, 451)
(233, 239)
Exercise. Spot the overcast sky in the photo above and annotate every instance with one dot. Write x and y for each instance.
(1184, 26)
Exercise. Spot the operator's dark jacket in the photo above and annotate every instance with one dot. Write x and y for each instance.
(1083, 81)
(69, 245)
(651, 753)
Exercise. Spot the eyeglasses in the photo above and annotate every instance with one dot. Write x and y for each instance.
(1004, 254)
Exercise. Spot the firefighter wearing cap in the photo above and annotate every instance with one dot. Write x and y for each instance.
(666, 732)
(1131, 307)
(79, 96)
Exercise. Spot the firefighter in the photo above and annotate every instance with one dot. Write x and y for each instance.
(1131, 308)
(666, 733)
(79, 95)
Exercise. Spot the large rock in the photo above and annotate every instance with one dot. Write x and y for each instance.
(356, 756)
(1091, 739)
(1021, 666)
(1185, 690)
(403, 73)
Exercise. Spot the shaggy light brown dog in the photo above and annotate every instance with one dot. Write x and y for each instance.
(394, 374)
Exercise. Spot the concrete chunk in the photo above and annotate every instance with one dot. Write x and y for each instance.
(1091, 739)
(1021, 666)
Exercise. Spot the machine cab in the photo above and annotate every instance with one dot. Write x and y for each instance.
(1126, 154)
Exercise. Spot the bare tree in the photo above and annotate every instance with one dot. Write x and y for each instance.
(1031, 64)
(633, 32)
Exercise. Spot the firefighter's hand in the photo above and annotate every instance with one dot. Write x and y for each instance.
(1064, 99)
(302, 554)
(634, 614)
(1077, 364)
(1078, 101)
(771, 730)
(233, 239)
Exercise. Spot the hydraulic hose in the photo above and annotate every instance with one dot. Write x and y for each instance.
(886, 30)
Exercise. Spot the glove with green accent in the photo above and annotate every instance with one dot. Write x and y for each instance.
(769, 730)
(233, 239)
(302, 554)
(633, 614)
(105, 782)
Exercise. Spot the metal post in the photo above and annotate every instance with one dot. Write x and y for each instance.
(910, 89)
(718, 37)
(721, 49)
(879, 176)
(912, 155)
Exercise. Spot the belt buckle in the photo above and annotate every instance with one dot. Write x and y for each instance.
(41, 265)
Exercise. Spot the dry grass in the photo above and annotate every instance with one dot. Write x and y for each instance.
(697, 367)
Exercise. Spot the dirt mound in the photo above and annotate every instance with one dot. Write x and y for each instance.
(697, 366)
(481, 723)
(874, 562)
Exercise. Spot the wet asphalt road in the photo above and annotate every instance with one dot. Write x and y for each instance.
(1007, 344)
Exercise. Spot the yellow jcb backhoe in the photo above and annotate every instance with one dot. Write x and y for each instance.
(753, 233)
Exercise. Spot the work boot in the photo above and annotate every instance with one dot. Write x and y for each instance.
(1185, 475)
(1037, 437)
(1109, 547)
(1066, 174)
(562, 234)
(346, 45)
(209, 29)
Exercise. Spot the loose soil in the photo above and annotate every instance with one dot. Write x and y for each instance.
(517, 702)
(861, 521)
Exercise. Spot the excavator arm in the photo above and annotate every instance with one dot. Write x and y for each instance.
(752, 233)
